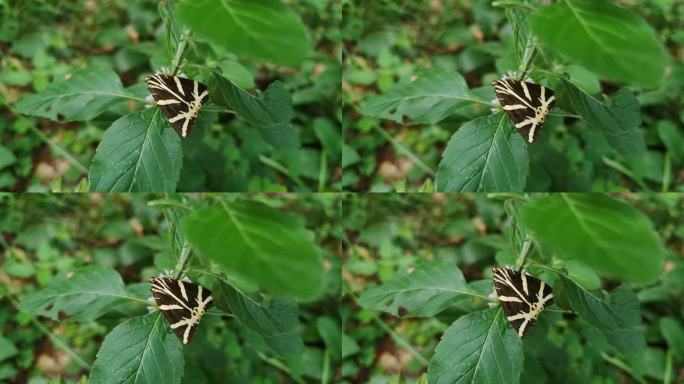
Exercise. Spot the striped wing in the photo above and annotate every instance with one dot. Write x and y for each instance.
(179, 98)
(522, 297)
(526, 104)
(182, 303)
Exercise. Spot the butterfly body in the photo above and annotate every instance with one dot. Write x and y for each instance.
(180, 100)
(522, 297)
(182, 303)
(526, 104)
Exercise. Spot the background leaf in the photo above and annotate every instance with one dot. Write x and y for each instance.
(271, 114)
(138, 153)
(141, 350)
(478, 348)
(604, 38)
(484, 155)
(425, 290)
(277, 323)
(618, 122)
(85, 95)
(429, 99)
(258, 243)
(673, 333)
(601, 232)
(265, 30)
(619, 318)
(83, 295)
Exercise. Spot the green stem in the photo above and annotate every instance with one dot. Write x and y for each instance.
(622, 365)
(186, 255)
(525, 253)
(279, 167)
(55, 147)
(180, 52)
(402, 149)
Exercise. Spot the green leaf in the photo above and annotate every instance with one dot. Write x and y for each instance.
(265, 30)
(277, 323)
(83, 295)
(258, 243)
(484, 155)
(423, 290)
(671, 136)
(7, 158)
(619, 317)
(478, 348)
(7, 348)
(85, 95)
(271, 113)
(618, 122)
(604, 233)
(141, 350)
(138, 153)
(674, 335)
(604, 38)
(428, 100)
(331, 333)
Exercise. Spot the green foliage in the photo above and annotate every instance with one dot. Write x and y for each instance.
(84, 294)
(604, 38)
(80, 291)
(424, 291)
(484, 155)
(138, 153)
(139, 351)
(415, 76)
(619, 122)
(58, 69)
(478, 348)
(619, 318)
(271, 114)
(267, 247)
(84, 96)
(606, 234)
(277, 322)
(418, 285)
(429, 99)
(268, 30)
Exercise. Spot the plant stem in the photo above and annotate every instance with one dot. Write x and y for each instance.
(402, 149)
(186, 255)
(525, 253)
(180, 52)
(55, 147)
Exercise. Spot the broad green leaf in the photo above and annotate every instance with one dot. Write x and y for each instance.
(604, 38)
(83, 294)
(618, 122)
(258, 243)
(484, 155)
(277, 322)
(604, 233)
(264, 30)
(619, 317)
(429, 99)
(85, 95)
(478, 348)
(138, 153)
(423, 290)
(271, 113)
(141, 350)
(673, 333)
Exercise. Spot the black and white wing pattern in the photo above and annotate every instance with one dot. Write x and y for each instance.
(526, 104)
(179, 98)
(182, 303)
(522, 297)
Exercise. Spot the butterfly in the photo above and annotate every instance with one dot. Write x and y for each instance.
(522, 297)
(526, 104)
(179, 98)
(182, 303)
